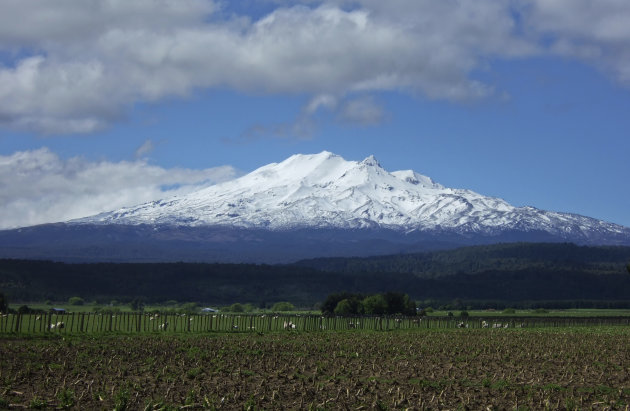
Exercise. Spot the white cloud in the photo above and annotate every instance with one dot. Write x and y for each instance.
(145, 148)
(302, 128)
(78, 65)
(322, 100)
(595, 32)
(363, 111)
(40, 187)
(87, 61)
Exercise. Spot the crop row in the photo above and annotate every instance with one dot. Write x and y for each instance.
(435, 369)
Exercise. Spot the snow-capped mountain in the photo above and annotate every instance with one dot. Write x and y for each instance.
(325, 191)
(307, 206)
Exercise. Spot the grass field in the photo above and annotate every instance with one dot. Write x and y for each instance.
(165, 323)
(122, 308)
(564, 368)
(574, 312)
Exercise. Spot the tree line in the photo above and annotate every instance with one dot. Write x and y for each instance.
(503, 274)
(510, 257)
(389, 303)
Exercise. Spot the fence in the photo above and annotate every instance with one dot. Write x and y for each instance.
(77, 323)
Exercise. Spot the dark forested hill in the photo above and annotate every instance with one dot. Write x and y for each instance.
(512, 257)
(499, 273)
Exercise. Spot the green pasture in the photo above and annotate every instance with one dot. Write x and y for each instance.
(89, 307)
(142, 323)
(189, 308)
(573, 312)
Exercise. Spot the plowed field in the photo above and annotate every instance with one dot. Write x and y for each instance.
(420, 369)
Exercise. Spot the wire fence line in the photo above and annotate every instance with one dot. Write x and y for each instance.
(82, 323)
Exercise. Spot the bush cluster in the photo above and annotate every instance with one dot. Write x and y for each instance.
(389, 303)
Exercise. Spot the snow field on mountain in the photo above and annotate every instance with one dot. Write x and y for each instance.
(325, 191)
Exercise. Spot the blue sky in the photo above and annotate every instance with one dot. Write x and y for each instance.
(104, 105)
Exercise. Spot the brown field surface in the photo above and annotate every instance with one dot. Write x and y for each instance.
(413, 369)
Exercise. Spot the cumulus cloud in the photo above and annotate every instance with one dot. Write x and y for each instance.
(40, 187)
(595, 32)
(77, 66)
(80, 65)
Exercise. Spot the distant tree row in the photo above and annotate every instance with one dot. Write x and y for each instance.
(517, 275)
(510, 257)
(389, 303)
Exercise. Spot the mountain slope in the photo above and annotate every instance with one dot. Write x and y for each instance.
(325, 191)
(304, 207)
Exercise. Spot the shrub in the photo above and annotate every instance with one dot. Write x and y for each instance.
(137, 304)
(189, 308)
(235, 308)
(283, 306)
(76, 301)
(509, 311)
(38, 403)
(464, 314)
(66, 398)
(24, 309)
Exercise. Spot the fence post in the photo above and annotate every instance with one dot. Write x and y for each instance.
(17, 322)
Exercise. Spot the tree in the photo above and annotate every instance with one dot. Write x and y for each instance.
(344, 307)
(4, 304)
(395, 302)
(375, 305)
(328, 307)
(399, 303)
(410, 306)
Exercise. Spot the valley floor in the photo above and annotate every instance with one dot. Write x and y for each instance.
(568, 368)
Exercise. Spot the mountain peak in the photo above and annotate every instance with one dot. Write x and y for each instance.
(371, 161)
(319, 157)
(324, 190)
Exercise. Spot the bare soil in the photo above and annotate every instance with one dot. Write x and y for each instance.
(420, 369)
